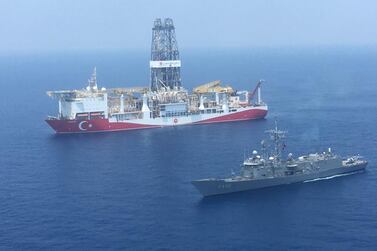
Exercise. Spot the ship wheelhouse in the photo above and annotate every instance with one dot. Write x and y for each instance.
(82, 106)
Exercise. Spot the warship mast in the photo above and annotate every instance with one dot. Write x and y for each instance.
(277, 136)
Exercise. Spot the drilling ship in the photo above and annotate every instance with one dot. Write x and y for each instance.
(270, 169)
(164, 103)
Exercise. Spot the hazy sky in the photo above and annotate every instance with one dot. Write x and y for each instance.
(110, 24)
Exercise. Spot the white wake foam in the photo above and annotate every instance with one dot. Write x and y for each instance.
(334, 176)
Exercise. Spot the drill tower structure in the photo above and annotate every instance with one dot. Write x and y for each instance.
(165, 65)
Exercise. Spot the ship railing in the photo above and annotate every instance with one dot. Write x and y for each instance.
(52, 118)
(259, 104)
(355, 157)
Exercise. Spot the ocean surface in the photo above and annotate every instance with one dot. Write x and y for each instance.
(131, 190)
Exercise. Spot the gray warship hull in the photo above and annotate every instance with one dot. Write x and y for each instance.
(209, 187)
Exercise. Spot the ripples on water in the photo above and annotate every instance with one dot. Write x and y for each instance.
(131, 190)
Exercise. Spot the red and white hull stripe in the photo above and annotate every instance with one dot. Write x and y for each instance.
(102, 125)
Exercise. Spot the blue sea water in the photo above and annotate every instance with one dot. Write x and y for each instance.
(131, 190)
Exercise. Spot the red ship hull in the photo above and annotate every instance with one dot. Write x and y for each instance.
(103, 125)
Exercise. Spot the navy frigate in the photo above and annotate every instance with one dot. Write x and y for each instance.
(270, 169)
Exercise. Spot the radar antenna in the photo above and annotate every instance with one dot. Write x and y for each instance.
(277, 136)
(92, 82)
